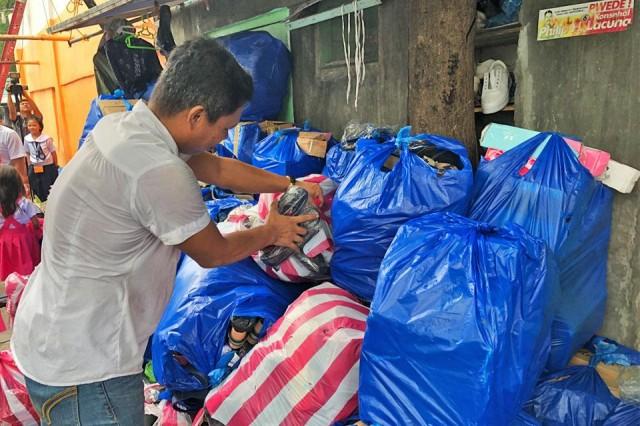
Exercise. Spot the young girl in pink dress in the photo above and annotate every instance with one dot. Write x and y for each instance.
(19, 247)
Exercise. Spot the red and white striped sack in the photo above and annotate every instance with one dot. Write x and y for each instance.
(304, 371)
(15, 406)
(14, 286)
(171, 417)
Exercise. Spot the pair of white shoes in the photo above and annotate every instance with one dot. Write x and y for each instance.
(495, 89)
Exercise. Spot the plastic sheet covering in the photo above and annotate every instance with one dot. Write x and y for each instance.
(196, 321)
(268, 61)
(577, 396)
(281, 153)
(372, 202)
(560, 202)
(460, 324)
(305, 370)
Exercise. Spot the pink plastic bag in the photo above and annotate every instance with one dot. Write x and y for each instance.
(14, 287)
(15, 406)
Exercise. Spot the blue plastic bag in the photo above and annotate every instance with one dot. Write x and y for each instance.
(268, 61)
(280, 153)
(560, 202)
(371, 203)
(196, 321)
(241, 142)
(219, 209)
(340, 156)
(460, 324)
(577, 396)
(611, 352)
(509, 14)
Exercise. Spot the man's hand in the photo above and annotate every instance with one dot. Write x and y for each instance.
(286, 230)
(314, 190)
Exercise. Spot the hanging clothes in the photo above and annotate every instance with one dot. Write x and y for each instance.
(134, 62)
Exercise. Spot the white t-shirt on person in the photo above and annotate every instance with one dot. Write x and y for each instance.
(109, 257)
(40, 149)
(10, 145)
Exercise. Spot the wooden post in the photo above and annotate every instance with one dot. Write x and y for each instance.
(441, 69)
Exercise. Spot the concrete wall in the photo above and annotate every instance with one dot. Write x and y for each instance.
(589, 86)
(320, 91)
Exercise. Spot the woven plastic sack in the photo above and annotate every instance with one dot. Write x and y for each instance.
(15, 406)
(305, 371)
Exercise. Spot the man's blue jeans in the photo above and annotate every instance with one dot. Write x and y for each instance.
(118, 401)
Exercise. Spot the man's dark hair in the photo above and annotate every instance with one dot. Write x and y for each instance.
(201, 72)
(550, 12)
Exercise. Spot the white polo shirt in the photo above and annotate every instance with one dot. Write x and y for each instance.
(10, 145)
(108, 257)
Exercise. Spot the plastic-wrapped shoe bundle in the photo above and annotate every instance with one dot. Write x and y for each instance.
(295, 202)
(460, 324)
(340, 156)
(389, 184)
(559, 201)
(311, 264)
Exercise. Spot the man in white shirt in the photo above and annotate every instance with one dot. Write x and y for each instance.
(118, 217)
(12, 151)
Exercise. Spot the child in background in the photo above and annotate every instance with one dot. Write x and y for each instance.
(19, 248)
(43, 160)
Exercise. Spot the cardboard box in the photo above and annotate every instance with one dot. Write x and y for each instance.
(109, 106)
(314, 143)
(270, 127)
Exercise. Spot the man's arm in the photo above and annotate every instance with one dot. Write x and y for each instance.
(55, 158)
(240, 177)
(12, 107)
(210, 249)
(34, 107)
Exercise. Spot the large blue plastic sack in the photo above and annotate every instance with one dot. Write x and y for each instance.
(560, 202)
(340, 156)
(280, 153)
(241, 142)
(268, 61)
(196, 321)
(460, 324)
(577, 396)
(371, 204)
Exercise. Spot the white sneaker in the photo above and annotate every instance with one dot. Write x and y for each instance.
(495, 91)
(483, 67)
